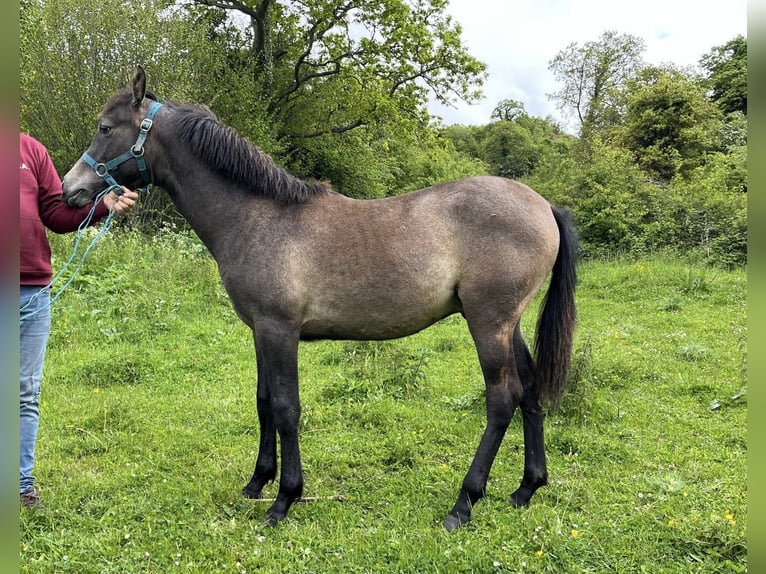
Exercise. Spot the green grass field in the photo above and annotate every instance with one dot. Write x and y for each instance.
(149, 432)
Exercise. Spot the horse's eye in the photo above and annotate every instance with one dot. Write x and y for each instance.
(104, 129)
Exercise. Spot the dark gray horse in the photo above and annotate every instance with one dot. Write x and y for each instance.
(302, 262)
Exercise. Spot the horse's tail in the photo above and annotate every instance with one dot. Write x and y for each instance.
(556, 323)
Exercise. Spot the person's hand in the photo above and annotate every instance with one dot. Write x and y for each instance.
(121, 204)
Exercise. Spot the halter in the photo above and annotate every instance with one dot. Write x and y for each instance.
(135, 152)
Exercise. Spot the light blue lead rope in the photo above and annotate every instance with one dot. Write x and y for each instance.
(80, 231)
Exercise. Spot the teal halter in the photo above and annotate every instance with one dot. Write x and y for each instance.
(136, 152)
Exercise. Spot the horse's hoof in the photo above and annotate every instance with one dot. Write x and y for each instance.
(452, 522)
(269, 521)
(251, 493)
(519, 499)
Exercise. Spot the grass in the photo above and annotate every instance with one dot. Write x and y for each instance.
(149, 432)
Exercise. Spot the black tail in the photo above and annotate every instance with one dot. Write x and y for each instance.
(556, 323)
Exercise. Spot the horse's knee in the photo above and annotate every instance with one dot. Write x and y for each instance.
(286, 414)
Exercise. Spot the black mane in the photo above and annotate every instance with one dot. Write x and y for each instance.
(234, 157)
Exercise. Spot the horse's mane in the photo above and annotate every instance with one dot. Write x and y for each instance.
(232, 156)
(236, 158)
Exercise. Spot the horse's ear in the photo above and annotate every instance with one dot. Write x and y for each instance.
(139, 86)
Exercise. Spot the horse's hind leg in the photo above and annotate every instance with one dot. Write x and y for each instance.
(504, 391)
(266, 463)
(535, 471)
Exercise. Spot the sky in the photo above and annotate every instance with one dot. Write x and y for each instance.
(518, 38)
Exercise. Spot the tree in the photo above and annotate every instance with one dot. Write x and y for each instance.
(508, 149)
(513, 143)
(331, 66)
(726, 68)
(508, 110)
(670, 125)
(594, 76)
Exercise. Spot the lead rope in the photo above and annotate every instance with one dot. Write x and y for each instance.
(80, 232)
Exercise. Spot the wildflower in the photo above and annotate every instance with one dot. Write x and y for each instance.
(684, 494)
(672, 522)
(575, 533)
(539, 552)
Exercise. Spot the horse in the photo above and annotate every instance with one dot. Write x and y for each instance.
(302, 262)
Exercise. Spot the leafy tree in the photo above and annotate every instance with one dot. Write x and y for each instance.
(669, 123)
(508, 149)
(331, 67)
(508, 110)
(594, 76)
(513, 143)
(608, 196)
(726, 68)
(465, 139)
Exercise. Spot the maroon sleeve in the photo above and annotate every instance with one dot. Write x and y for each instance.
(54, 213)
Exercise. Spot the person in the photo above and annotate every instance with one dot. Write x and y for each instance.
(41, 206)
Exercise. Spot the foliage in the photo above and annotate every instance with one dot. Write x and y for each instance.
(333, 68)
(149, 431)
(669, 175)
(606, 193)
(594, 76)
(713, 209)
(513, 145)
(726, 68)
(669, 123)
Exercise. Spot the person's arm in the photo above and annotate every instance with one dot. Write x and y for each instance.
(60, 217)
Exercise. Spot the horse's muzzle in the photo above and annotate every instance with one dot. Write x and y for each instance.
(80, 186)
(77, 197)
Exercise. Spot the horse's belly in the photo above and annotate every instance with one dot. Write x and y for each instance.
(379, 318)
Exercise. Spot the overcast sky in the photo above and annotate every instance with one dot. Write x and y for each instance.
(517, 39)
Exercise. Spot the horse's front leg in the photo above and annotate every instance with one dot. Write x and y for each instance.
(277, 353)
(266, 463)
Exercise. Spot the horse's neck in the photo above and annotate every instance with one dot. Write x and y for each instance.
(216, 211)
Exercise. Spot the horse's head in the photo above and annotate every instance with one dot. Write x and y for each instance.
(116, 154)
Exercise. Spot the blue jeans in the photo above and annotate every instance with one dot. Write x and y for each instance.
(34, 329)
